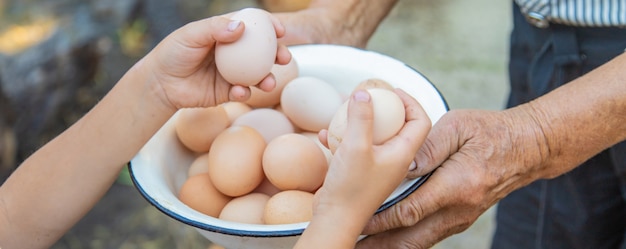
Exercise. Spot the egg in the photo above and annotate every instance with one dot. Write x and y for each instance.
(235, 160)
(235, 109)
(293, 161)
(268, 122)
(373, 83)
(310, 103)
(286, 207)
(313, 136)
(283, 75)
(197, 127)
(266, 187)
(199, 193)
(389, 117)
(199, 165)
(249, 59)
(245, 209)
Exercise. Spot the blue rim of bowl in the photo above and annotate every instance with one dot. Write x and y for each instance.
(249, 233)
(288, 232)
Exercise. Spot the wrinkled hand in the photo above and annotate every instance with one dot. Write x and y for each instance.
(324, 30)
(183, 64)
(479, 156)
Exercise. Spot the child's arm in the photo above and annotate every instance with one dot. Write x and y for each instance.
(61, 182)
(361, 175)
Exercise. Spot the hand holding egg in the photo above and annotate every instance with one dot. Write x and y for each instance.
(187, 75)
(360, 160)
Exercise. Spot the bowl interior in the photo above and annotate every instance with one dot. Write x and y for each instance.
(160, 168)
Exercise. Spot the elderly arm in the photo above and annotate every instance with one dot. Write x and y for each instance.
(482, 156)
(348, 22)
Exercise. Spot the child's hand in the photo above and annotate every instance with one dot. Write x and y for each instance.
(361, 175)
(183, 67)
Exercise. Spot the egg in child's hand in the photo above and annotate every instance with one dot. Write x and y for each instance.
(389, 117)
(249, 59)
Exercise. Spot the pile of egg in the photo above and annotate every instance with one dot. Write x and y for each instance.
(261, 161)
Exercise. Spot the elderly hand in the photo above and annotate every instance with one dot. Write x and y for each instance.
(346, 22)
(324, 30)
(478, 158)
(482, 156)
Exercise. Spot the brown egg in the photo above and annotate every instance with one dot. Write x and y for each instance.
(283, 75)
(313, 136)
(293, 161)
(290, 206)
(310, 103)
(266, 187)
(268, 122)
(235, 109)
(197, 127)
(199, 165)
(246, 209)
(235, 160)
(373, 83)
(199, 193)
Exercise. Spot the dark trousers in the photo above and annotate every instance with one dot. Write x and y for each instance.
(586, 207)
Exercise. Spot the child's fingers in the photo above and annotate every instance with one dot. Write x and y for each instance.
(413, 109)
(283, 56)
(414, 132)
(360, 121)
(323, 137)
(278, 26)
(208, 31)
(268, 83)
(239, 93)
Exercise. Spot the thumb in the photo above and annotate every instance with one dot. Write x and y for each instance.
(208, 31)
(441, 142)
(360, 120)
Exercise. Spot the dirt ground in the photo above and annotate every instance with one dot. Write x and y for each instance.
(459, 45)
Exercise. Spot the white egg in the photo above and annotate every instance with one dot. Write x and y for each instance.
(248, 60)
(310, 103)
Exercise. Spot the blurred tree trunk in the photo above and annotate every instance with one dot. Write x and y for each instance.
(40, 87)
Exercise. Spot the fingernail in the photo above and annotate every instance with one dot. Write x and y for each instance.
(361, 96)
(232, 25)
(412, 166)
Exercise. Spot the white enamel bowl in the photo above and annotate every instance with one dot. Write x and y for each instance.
(160, 168)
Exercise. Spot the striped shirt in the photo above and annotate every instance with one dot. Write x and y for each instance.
(583, 13)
